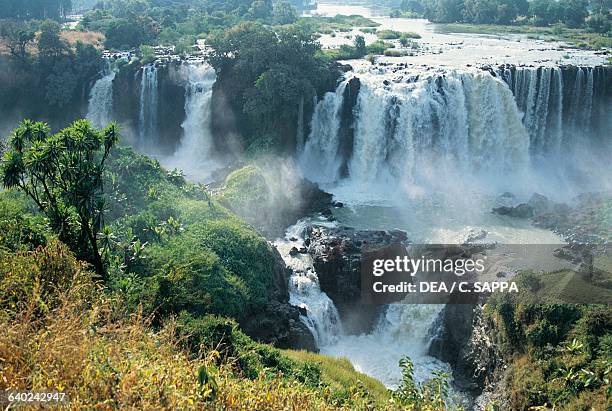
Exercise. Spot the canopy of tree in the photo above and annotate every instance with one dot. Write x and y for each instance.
(131, 23)
(268, 72)
(573, 13)
(34, 9)
(45, 72)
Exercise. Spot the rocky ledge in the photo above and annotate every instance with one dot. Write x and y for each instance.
(279, 322)
(337, 254)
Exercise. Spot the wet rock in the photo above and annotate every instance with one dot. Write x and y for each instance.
(336, 254)
(522, 210)
(540, 204)
(294, 251)
(278, 322)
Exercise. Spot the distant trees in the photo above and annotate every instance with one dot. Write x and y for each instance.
(39, 52)
(17, 36)
(284, 13)
(62, 174)
(573, 13)
(34, 9)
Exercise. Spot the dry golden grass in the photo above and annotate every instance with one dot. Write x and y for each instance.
(85, 37)
(77, 340)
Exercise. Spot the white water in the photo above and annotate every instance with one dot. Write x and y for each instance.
(430, 155)
(194, 155)
(319, 158)
(321, 317)
(100, 106)
(460, 122)
(148, 115)
(402, 329)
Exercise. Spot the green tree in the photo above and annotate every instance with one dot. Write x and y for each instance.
(17, 36)
(575, 12)
(360, 46)
(50, 44)
(62, 173)
(284, 13)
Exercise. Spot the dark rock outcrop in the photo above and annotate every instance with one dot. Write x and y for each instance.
(279, 322)
(337, 259)
(522, 210)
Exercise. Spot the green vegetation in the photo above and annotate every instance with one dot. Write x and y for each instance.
(388, 34)
(560, 354)
(328, 25)
(594, 15)
(153, 331)
(47, 75)
(577, 37)
(62, 174)
(341, 377)
(267, 74)
(34, 9)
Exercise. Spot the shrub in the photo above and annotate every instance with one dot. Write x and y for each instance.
(388, 34)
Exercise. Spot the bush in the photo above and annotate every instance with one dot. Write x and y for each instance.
(388, 34)
(33, 283)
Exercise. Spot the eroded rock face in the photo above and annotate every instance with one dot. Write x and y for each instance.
(279, 322)
(466, 341)
(337, 254)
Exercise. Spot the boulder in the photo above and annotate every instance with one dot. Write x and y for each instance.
(337, 258)
(522, 210)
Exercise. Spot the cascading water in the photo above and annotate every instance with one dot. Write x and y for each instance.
(468, 122)
(148, 115)
(463, 137)
(425, 128)
(322, 318)
(194, 155)
(100, 107)
(402, 329)
(319, 158)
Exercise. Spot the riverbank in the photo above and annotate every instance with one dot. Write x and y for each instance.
(579, 38)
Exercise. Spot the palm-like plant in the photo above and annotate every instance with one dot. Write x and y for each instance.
(62, 173)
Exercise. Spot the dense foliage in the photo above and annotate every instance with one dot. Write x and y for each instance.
(169, 244)
(130, 23)
(45, 74)
(594, 14)
(266, 74)
(62, 174)
(34, 9)
(560, 354)
(62, 332)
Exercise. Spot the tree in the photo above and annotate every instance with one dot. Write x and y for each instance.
(50, 44)
(34, 9)
(575, 12)
(546, 12)
(360, 46)
(17, 36)
(62, 173)
(261, 9)
(284, 13)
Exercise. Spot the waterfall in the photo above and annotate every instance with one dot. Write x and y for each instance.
(467, 122)
(321, 318)
(402, 329)
(100, 106)
(195, 154)
(148, 116)
(319, 157)
(491, 124)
